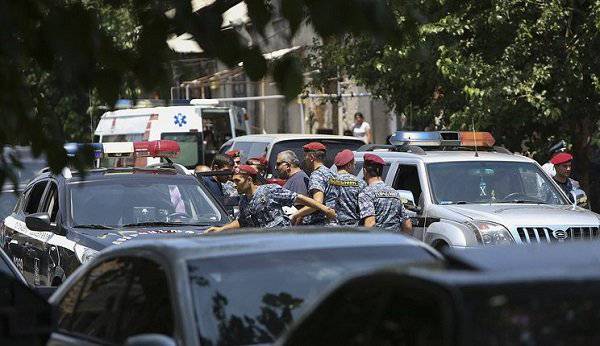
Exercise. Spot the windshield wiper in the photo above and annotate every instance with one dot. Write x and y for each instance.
(162, 223)
(523, 201)
(94, 226)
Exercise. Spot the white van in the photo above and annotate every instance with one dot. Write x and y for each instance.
(200, 130)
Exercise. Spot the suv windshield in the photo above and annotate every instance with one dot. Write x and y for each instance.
(250, 299)
(491, 182)
(131, 199)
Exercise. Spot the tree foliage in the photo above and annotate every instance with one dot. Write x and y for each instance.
(527, 70)
(58, 58)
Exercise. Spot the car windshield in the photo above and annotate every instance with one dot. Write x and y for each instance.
(491, 182)
(130, 199)
(250, 299)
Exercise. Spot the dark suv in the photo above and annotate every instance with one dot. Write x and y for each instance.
(61, 221)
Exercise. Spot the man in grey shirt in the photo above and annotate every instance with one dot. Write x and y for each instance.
(288, 167)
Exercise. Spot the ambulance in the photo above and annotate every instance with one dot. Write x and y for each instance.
(199, 129)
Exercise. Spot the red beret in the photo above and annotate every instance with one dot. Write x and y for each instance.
(561, 158)
(247, 169)
(233, 153)
(263, 160)
(314, 146)
(343, 158)
(372, 158)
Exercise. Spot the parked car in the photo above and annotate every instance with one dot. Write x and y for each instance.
(472, 193)
(63, 220)
(272, 144)
(237, 288)
(551, 298)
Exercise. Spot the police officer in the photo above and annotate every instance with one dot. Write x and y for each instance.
(260, 163)
(562, 167)
(348, 187)
(235, 156)
(217, 185)
(261, 205)
(318, 183)
(380, 205)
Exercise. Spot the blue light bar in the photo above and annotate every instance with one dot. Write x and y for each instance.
(73, 148)
(419, 138)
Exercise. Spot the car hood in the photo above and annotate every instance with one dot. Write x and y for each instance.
(523, 215)
(100, 239)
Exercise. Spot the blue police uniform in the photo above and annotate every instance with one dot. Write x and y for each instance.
(348, 187)
(229, 189)
(264, 208)
(385, 204)
(319, 181)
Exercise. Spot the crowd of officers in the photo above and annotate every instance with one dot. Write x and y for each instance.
(321, 197)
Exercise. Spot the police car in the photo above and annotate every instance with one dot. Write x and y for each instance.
(63, 220)
(469, 192)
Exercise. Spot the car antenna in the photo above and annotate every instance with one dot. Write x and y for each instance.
(474, 137)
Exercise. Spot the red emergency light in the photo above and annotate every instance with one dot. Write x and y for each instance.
(162, 148)
(476, 139)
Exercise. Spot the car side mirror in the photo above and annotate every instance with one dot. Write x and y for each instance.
(150, 340)
(231, 205)
(38, 222)
(579, 198)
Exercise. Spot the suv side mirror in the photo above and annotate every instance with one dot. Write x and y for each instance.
(579, 198)
(408, 200)
(150, 340)
(38, 222)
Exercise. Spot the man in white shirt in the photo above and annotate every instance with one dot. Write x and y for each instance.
(361, 128)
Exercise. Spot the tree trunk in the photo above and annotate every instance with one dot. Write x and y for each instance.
(581, 139)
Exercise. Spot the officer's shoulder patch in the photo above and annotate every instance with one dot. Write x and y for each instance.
(343, 183)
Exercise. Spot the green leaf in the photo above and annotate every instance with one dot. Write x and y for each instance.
(293, 11)
(287, 73)
(255, 64)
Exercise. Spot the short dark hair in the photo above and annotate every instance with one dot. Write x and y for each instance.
(373, 169)
(318, 155)
(221, 160)
(359, 114)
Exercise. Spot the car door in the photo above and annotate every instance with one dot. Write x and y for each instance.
(116, 299)
(22, 243)
(50, 271)
(407, 178)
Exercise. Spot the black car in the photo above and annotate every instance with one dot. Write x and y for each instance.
(538, 295)
(239, 288)
(61, 221)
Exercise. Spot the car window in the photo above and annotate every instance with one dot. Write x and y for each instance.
(189, 147)
(244, 148)
(34, 197)
(94, 313)
(134, 199)
(407, 178)
(51, 202)
(491, 182)
(148, 308)
(258, 149)
(241, 300)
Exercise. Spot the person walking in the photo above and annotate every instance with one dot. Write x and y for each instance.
(318, 184)
(262, 205)
(288, 168)
(348, 188)
(380, 205)
(361, 128)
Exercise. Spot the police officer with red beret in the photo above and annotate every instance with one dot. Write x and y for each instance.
(380, 205)
(348, 188)
(262, 205)
(318, 183)
(562, 166)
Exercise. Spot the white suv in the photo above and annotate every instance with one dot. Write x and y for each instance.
(469, 197)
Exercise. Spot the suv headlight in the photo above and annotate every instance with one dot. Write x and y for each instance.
(84, 254)
(491, 233)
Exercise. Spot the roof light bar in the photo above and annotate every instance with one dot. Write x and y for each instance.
(118, 149)
(476, 139)
(450, 138)
(419, 138)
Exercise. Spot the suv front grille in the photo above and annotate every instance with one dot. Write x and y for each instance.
(545, 234)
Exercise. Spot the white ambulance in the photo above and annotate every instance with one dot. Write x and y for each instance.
(199, 129)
